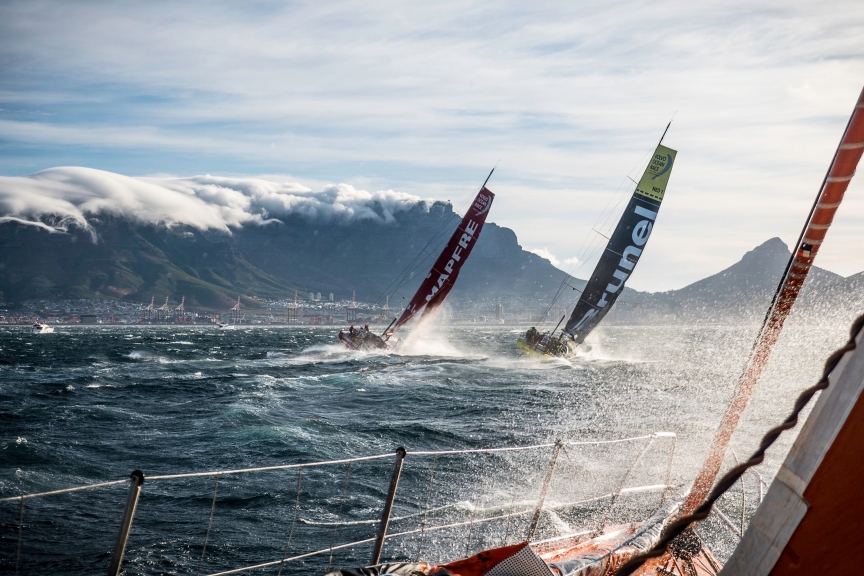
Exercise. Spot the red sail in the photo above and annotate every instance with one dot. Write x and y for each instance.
(441, 278)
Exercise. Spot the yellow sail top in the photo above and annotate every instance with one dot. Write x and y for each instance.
(656, 176)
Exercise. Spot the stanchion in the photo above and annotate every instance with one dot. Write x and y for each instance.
(137, 478)
(388, 506)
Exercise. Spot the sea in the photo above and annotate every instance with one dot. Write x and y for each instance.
(91, 404)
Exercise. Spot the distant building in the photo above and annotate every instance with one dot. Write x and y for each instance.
(332, 299)
(311, 296)
(88, 319)
(318, 297)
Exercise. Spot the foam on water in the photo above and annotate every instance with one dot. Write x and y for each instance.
(434, 346)
(96, 404)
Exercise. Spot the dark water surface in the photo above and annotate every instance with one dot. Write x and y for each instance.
(91, 404)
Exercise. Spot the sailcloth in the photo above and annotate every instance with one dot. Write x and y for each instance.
(441, 278)
(625, 247)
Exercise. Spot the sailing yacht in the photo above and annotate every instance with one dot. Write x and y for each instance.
(616, 264)
(438, 282)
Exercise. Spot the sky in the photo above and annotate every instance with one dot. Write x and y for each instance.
(386, 97)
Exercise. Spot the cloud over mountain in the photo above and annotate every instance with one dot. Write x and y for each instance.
(59, 197)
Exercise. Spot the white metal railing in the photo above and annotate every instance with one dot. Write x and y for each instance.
(523, 508)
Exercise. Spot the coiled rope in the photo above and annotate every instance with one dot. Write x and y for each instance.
(679, 526)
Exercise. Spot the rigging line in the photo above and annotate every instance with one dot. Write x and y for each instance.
(413, 265)
(426, 511)
(578, 266)
(618, 189)
(676, 528)
(617, 494)
(293, 521)
(581, 261)
(628, 176)
(584, 257)
(209, 525)
(596, 247)
(590, 251)
(615, 210)
(436, 239)
(582, 247)
(20, 528)
(579, 256)
(561, 287)
(341, 504)
(513, 499)
(479, 499)
(410, 267)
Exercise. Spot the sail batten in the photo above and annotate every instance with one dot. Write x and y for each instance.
(624, 248)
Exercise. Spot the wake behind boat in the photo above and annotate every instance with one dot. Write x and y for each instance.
(616, 264)
(438, 282)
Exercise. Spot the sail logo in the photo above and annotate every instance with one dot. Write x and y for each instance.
(467, 237)
(629, 257)
(482, 204)
(661, 164)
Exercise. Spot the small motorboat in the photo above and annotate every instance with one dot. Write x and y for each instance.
(42, 328)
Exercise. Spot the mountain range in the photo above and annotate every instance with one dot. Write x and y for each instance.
(742, 292)
(116, 257)
(119, 258)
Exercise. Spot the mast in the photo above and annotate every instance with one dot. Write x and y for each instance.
(816, 226)
(624, 248)
(441, 278)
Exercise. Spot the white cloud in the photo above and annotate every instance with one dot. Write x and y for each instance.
(563, 264)
(423, 98)
(60, 196)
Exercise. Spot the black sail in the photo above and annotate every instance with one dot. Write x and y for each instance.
(625, 247)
